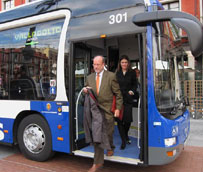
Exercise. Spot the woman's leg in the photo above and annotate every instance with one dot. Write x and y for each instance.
(127, 127)
(121, 130)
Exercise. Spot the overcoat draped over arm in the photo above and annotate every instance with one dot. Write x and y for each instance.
(94, 122)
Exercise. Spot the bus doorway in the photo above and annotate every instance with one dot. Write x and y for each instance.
(82, 55)
(112, 49)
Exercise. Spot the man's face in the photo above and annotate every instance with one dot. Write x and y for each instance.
(98, 64)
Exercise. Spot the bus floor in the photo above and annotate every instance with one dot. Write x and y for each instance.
(129, 155)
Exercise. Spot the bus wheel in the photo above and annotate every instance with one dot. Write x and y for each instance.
(34, 138)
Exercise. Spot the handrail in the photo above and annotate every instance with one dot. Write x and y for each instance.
(138, 122)
(76, 114)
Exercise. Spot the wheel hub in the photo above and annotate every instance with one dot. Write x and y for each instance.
(34, 138)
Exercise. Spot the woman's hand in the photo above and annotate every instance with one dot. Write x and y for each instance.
(131, 93)
(116, 113)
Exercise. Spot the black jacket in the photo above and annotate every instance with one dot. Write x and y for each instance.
(94, 122)
(127, 82)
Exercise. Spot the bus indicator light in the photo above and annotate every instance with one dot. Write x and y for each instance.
(60, 138)
(59, 127)
(171, 153)
(5, 131)
(59, 110)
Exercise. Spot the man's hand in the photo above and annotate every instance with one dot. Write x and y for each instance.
(117, 112)
(85, 89)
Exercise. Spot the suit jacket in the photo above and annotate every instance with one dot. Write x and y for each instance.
(109, 87)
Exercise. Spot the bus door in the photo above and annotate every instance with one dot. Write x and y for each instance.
(112, 48)
(82, 68)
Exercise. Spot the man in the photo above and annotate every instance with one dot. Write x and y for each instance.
(104, 85)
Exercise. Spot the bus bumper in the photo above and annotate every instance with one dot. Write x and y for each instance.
(159, 156)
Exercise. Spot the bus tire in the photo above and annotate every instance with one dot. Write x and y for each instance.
(34, 138)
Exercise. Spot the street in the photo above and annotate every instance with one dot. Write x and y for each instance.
(196, 133)
(190, 160)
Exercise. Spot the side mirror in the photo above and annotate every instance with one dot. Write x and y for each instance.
(185, 21)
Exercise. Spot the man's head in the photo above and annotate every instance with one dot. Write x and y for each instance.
(98, 63)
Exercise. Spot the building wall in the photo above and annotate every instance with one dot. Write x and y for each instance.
(191, 6)
(16, 3)
(19, 2)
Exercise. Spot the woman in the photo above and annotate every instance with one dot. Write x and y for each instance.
(128, 84)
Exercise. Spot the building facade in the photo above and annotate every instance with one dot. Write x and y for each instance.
(8, 4)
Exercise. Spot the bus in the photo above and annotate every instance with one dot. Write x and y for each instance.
(46, 52)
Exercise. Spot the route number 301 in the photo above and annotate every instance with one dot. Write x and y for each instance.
(118, 18)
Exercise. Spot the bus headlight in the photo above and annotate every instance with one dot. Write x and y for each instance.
(170, 141)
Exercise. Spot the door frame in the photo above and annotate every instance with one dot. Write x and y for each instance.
(76, 144)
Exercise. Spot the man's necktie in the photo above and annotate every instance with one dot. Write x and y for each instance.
(97, 84)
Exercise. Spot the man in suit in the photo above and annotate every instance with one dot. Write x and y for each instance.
(104, 84)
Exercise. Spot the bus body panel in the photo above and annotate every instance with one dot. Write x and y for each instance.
(6, 130)
(121, 18)
(9, 111)
(78, 8)
(160, 128)
(161, 153)
(55, 113)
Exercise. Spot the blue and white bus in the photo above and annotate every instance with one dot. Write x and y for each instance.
(46, 51)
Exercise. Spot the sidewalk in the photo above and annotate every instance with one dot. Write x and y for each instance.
(191, 160)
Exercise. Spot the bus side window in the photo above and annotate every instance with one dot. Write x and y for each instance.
(46, 84)
(22, 89)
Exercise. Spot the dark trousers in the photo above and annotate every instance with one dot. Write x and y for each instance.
(98, 151)
(123, 128)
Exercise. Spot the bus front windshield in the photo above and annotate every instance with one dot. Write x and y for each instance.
(168, 69)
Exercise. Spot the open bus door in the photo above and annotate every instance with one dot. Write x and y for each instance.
(82, 56)
(112, 48)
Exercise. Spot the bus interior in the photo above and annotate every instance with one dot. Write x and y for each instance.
(111, 48)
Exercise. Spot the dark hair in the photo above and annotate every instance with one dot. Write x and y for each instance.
(119, 63)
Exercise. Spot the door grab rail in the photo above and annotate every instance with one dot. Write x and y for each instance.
(138, 122)
(76, 114)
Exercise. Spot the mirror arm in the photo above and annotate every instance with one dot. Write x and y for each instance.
(185, 21)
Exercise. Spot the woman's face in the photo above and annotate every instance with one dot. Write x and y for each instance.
(124, 64)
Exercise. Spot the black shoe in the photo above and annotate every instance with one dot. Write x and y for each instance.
(123, 145)
(128, 141)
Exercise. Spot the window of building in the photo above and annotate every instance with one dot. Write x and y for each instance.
(171, 6)
(8, 4)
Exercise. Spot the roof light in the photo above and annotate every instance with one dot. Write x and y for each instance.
(103, 36)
